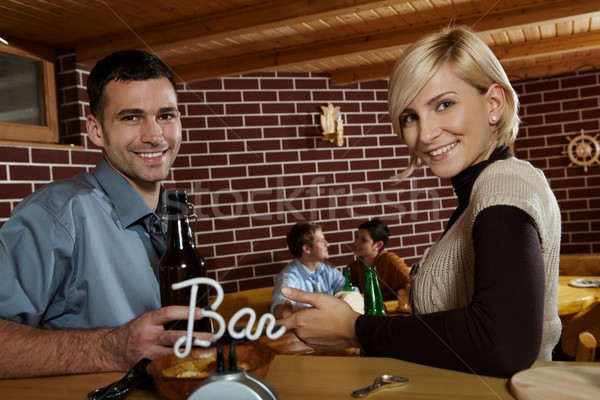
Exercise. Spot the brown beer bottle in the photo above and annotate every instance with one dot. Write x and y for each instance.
(181, 261)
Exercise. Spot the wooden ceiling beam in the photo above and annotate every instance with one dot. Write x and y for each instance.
(573, 63)
(246, 20)
(494, 21)
(542, 47)
(549, 46)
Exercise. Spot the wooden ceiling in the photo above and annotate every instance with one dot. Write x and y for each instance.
(350, 40)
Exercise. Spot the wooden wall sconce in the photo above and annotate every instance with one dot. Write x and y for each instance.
(583, 150)
(332, 124)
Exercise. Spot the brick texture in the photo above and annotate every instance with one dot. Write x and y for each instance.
(254, 162)
(568, 104)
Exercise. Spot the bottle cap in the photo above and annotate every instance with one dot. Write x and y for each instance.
(175, 201)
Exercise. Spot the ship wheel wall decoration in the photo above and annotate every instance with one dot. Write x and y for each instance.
(583, 150)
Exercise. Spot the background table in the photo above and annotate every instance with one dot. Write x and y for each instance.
(573, 299)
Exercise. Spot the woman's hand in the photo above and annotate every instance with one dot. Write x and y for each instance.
(329, 325)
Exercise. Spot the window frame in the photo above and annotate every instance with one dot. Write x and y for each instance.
(13, 132)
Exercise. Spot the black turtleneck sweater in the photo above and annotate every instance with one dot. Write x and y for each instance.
(494, 318)
(463, 182)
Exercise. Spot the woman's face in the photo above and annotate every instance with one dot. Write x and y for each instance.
(449, 125)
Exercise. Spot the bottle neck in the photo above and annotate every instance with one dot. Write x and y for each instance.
(370, 280)
(347, 280)
(179, 232)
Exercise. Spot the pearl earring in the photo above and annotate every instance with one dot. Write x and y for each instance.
(494, 118)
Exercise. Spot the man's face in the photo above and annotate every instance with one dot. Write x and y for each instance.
(319, 251)
(141, 130)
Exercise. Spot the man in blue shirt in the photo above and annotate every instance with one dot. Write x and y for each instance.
(307, 271)
(78, 270)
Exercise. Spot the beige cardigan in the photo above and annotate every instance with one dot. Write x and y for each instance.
(446, 273)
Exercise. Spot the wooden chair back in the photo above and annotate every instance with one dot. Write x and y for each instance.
(581, 334)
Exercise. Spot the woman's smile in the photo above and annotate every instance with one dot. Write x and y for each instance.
(442, 150)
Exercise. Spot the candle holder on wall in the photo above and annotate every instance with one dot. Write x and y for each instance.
(332, 124)
(583, 150)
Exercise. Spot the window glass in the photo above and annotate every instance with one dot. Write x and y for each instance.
(21, 91)
(28, 109)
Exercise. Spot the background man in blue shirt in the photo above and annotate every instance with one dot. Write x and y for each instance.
(307, 271)
(78, 283)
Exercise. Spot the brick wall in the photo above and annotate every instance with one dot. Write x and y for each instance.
(254, 163)
(552, 110)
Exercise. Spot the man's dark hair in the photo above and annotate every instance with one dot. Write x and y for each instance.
(377, 229)
(123, 66)
(302, 233)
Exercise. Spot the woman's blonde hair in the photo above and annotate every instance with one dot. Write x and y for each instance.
(471, 60)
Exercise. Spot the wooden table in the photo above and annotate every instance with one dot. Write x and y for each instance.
(296, 377)
(572, 299)
(301, 378)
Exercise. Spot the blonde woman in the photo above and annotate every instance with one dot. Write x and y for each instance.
(484, 294)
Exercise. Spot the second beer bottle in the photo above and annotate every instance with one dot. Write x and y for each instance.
(181, 260)
(373, 298)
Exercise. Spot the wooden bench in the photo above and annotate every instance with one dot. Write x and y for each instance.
(257, 299)
(579, 264)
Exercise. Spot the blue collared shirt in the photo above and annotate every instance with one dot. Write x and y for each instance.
(325, 279)
(75, 255)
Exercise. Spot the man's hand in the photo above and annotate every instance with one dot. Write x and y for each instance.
(329, 325)
(146, 337)
(28, 351)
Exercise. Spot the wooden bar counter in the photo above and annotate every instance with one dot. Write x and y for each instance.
(312, 377)
(297, 377)
(301, 378)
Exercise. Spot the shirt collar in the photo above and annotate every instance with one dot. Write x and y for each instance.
(129, 205)
(306, 273)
